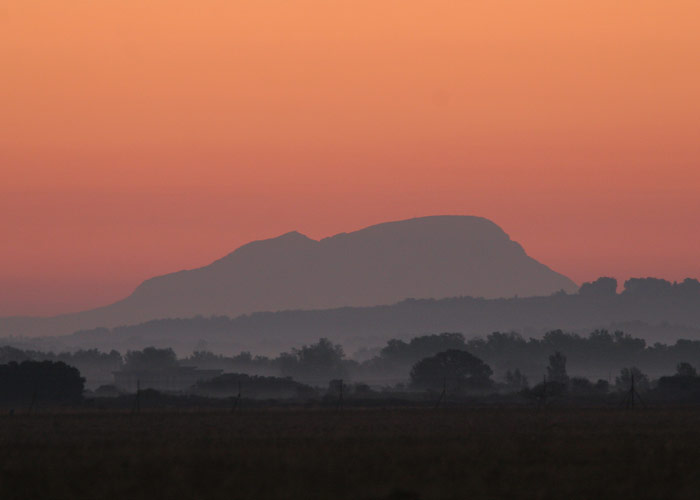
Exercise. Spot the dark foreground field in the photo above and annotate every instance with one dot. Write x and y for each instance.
(355, 454)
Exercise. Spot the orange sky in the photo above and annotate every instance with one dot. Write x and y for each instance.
(139, 138)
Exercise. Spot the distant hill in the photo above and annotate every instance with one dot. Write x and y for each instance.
(428, 257)
(652, 314)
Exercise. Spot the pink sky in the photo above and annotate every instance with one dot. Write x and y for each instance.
(142, 138)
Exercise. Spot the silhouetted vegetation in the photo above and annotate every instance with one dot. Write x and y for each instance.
(458, 370)
(97, 367)
(598, 355)
(624, 381)
(515, 381)
(150, 358)
(254, 387)
(559, 364)
(649, 308)
(556, 370)
(315, 363)
(40, 381)
(602, 287)
(244, 362)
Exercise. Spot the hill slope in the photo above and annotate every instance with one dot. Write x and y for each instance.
(429, 257)
(657, 318)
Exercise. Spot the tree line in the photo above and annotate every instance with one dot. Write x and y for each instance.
(600, 355)
(452, 373)
(655, 309)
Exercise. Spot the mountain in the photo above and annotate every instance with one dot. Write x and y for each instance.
(428, 257)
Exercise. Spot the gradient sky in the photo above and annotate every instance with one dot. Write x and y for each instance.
(139, 138)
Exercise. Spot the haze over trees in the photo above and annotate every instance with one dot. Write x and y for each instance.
(624, 381)
(512, 361)
(462, 372)
(645, 308)
(314, 363)
(499, 365)
(602, 287)
(255, 387)
(97, 367)
(556, 370)
(149, 359)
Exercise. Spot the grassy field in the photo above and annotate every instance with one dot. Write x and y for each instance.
(355, 454)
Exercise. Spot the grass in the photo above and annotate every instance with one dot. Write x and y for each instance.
(355, 454)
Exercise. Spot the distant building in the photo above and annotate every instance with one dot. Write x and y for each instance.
(173, 379)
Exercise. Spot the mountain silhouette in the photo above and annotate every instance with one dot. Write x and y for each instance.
(427, 257)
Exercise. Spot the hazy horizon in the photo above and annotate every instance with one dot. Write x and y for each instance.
(135, 286)
(425, 257)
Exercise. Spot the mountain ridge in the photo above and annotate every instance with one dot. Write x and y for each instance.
(425, 257)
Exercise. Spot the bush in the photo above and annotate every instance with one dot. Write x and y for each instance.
(50, 381)
(459, 370)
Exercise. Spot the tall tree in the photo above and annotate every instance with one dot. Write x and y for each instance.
(459, 370)
(556, 370)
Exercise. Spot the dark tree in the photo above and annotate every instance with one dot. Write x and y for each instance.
(93, 364)
(336, 387)
(602, 287)
(686, 370)
(684, 381)
(689, 288)
(314, 364)
(647, 287)
(580, 386)
(150, 358)
(624, 381)
(9, 354)
(556, 371)
(459, 370)
(516, 381)
(399, 351)
(43, 381)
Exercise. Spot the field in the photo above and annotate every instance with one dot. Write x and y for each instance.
(354, 454)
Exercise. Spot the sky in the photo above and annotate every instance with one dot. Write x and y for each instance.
(140, 138)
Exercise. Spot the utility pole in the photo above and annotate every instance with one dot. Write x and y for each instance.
(340, 396)
(31, 405)
(542, 402)
(632, 394)
(442, 394)
(237, 399)
(137, 400)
